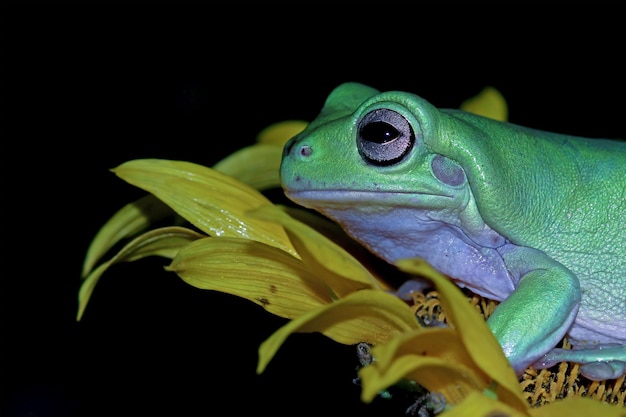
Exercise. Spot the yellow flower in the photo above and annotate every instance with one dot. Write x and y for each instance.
(303, 267)
(466, 364)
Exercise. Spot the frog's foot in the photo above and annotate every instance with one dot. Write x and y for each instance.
(596, 364)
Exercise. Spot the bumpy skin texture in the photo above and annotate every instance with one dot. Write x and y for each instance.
(533, 219)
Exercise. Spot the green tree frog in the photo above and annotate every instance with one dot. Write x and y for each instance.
(532, 219)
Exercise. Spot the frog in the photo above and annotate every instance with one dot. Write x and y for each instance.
(532, 219)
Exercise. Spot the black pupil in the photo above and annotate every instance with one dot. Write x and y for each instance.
(379, 132)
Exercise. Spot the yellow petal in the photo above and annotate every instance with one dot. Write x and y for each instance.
(127, 222)
(479, 405)
(329, 261)
(480, 343)
(365, 316)
(452, 380)
(212, 201)
(578, 406)
(489, 103)
(263, 274)
(279, 133)
(435, 358)
(256, 165)
(164, 242)
(441, 342)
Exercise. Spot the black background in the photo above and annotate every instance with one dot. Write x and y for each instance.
(87, 86)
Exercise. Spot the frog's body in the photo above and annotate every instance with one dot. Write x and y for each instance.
(529, 218)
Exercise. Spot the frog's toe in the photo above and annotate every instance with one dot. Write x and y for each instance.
(595, 364)
(599, 371)
(406, 290)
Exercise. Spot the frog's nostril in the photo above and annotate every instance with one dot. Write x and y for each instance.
(297, 150)
(305, 150)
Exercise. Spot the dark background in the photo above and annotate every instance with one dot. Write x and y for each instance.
(87, 86)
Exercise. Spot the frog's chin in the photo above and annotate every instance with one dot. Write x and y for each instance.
(348, 198)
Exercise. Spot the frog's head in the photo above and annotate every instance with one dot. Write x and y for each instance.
(367, 151)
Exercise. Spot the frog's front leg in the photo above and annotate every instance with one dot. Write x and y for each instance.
(537, 315)
(605, 362)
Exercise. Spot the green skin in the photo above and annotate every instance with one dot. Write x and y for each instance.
(532, 219)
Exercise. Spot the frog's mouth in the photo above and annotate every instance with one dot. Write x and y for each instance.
(339, 198)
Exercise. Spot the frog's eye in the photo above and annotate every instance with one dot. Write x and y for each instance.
(384, 137)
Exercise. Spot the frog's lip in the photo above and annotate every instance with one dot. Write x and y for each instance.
(381, 197)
